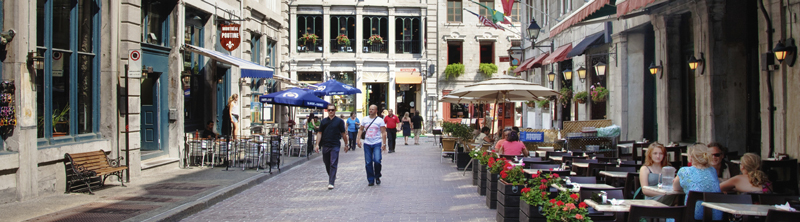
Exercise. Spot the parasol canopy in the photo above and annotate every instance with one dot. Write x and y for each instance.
(333, 87)
(295, 97)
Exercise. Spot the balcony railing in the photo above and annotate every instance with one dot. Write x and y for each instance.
(408, 46)
(375, 47)
(336, 47)
(309, 47)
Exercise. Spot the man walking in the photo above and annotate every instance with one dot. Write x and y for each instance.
(374, 130)
(331, 130)
(416, 123)
(391, 129)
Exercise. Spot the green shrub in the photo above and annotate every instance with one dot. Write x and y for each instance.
(488, 69)
(454, 70)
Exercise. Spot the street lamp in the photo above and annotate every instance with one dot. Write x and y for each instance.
(533, 30)
(656, 68)
(600, 69)
(581, 73)
(785, 50)
(551, 76)
(694, 63)
(567, 74)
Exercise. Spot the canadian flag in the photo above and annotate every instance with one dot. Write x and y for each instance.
(508, 5)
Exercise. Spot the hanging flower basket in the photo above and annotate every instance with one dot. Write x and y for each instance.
(343, 40)
(375, 39)
(581, 97)
(308, 38)
(566, 95)
(599, 93)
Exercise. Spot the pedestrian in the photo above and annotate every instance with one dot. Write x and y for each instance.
(311, 125)
(352, 129)
(406, 127)
(374, 140)
(233, 108)
(331, 130)
(290, 122)
(391, 129)
(416, 121)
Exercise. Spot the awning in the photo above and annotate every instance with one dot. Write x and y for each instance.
(248, 69)
(521, 68)
(585, 44)
(630, 5)
(407, 78)
(538, 62)
(559, 55)
(589, 10)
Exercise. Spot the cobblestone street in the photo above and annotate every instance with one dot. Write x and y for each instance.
(415, 187)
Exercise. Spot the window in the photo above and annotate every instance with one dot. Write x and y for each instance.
(375, 26)
(310, 77)
(454, 52)
(345, 103)
(454, 11)
(155, 18)
(545, 9)
(310, 26)
(487, 51)
(515, 13)
(193, 78)
(343, 25)
(566, 6)
(255, 48)
(67, 86)
(484, 11)
(407, 33)
(262, 113)
(270, 61)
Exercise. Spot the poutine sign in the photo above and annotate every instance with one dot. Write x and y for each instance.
(229, 38)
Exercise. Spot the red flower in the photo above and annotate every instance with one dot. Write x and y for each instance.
(559, 203)
(535, 175)
(544, 194)
(579, 216)
(582, 205)
(570, 206)
(555, 175)
(574, 196)
(525, 190)
(544, 181)
(503, 174)
(552, 201)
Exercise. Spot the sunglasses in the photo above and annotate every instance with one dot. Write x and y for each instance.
(717, 154)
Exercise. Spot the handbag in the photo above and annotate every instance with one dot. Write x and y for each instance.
(364, 134)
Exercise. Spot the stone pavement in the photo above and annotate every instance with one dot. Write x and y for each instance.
(415, 187)
(164, 194)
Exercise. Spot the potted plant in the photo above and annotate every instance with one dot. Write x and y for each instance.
(565, 207)
(544, 104)
(58, 116)
(454, 70)
(343, 40)
(566, 94)
(581, 96)
(509, 189)
(599, 93)
(535, 196)
(494, 167)
(375, 39)
(488, 69)
(308, 37)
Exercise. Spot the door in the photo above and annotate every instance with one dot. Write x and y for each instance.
(223, 92)
(149, 113)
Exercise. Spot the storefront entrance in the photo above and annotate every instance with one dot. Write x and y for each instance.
(407, 98)
(376, 95)
(153, 119)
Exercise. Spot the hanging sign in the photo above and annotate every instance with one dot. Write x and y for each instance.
(134, 63)
(229, 37)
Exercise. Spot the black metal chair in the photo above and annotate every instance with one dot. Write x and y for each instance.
(691, 204)
(677, 158)
(782, 174)
(595, 168)
(723, 198)
(782, 216)
(638, 151)
(772, 199)
(631, 185)
(637, 213)
(577, 179)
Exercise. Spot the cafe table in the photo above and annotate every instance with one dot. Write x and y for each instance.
(663, 191)
(584, 185)
(741, 209)
(557, 158)
(533, 171)
(614, 174)
(625, 206)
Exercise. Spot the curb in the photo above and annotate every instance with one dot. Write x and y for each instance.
(190, 208)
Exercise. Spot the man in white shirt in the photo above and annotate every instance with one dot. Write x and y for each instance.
(374, 141)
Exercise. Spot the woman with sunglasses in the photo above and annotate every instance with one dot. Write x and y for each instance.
(752, 180)
(725, 169)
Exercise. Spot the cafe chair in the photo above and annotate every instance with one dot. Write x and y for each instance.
(568, 159)
(595, 168)
(782, 174)
(637, 213)
(620, 149)
(674, 155)
(511, 157)
(532, 159)
(638, 152)
(691, 205)
(584, 161)
(782, 216)
(723, 198)
(631, 186)
(586, 180)
(772, 199)
(543, 166)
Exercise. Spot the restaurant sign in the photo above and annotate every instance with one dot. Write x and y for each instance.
(229, 37)
(532, 136)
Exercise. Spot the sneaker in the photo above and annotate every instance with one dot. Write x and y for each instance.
(330, 186)
(378, 181)
(371, 184)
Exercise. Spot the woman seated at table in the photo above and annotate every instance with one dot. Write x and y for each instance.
(699, 177)
(752, 179)
(654, 160)
(512, 146)
(502, 140)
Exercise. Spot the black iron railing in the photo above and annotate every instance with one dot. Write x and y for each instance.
(408, 46)
(345, 48)
(374, 47)
(309, 46)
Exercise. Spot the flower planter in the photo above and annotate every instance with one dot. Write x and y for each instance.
(491, 190)
(581, 101)
(531, 213)
(508, 198)
(601, 99)
(476, 171)
(482, 178)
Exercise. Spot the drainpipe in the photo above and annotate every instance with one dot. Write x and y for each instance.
(771, 100)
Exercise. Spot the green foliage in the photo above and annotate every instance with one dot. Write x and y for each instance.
(306, 38)
(599, 93)
(581, 96)
(566, 94)
(488, 69)
(543, 103)
(343, 40)
(497, 165)
(454, 70)
(511, 71)
(56, 117)
(458, 130)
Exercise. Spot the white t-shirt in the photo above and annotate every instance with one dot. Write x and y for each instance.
(374, 132)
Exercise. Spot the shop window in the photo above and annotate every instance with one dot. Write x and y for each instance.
(345, 103)
(454, 11)
(343, 25)
(309, 25)
(262, 113)
(484, 11)
(310, 77)
(377, 26)
(193, 79)
(407, 35)
(69, 102)
(454, 52)
(155, 20)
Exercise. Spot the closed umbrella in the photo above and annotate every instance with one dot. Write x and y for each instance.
(333, 87)
(295, 97)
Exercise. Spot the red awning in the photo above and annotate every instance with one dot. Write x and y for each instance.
(630, 5)
(521, 68)
(578, 16)
(538, 62)
(559, 55)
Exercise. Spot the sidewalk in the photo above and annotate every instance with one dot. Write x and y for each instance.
(164, 194)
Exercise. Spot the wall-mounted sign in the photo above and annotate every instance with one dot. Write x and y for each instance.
(504, 58)
(229, 37)
(532, 136)
(134, 63)
(58, 64)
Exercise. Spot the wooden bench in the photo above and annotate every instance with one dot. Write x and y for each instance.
(83, 169)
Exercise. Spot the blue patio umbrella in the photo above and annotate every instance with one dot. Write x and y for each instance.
(333, 87)
(295, 97)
